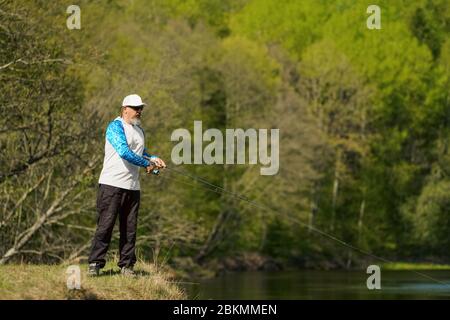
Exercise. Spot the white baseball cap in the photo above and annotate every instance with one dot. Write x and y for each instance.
(133, 100)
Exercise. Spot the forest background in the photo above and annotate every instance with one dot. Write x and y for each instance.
(363, 117)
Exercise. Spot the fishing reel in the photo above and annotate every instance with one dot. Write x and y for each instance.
(155, 171)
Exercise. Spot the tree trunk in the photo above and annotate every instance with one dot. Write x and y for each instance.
(215, 236)
(55, 207)
(360, 218)
(335, 194)
(314, 208)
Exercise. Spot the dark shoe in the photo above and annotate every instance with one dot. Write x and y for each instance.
(93, 270)
(127, 271)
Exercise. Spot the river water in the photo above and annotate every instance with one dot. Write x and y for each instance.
(321, 285)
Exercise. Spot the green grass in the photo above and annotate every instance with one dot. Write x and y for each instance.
(23, 281)
(414, 266)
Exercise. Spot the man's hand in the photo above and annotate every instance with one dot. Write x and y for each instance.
(158, 162)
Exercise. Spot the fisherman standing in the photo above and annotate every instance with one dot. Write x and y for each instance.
(119, 188)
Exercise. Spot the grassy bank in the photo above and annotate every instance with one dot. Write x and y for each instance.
(414, 266)
(49, 282)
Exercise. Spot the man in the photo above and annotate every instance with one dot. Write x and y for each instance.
(119, 188)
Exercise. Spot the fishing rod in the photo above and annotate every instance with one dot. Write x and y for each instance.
(220, 190)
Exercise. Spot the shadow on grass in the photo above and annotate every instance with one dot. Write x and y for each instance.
(108, 273)
(114, 272)
(81, 294)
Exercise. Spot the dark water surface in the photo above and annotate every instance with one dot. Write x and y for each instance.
(321, 285)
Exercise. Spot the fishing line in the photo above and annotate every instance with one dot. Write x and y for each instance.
(220, 190)
(171, 178)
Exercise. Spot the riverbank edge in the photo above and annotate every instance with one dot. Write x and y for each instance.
(51, 282)
(187, 268)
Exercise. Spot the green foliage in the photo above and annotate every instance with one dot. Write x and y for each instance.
(430, 24)
(430, 217)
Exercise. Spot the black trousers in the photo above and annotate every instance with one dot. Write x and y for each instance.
(111, 202)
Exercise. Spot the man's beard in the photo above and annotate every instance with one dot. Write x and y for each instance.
(136, 122)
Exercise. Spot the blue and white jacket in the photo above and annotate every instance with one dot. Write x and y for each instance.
(124, 151)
